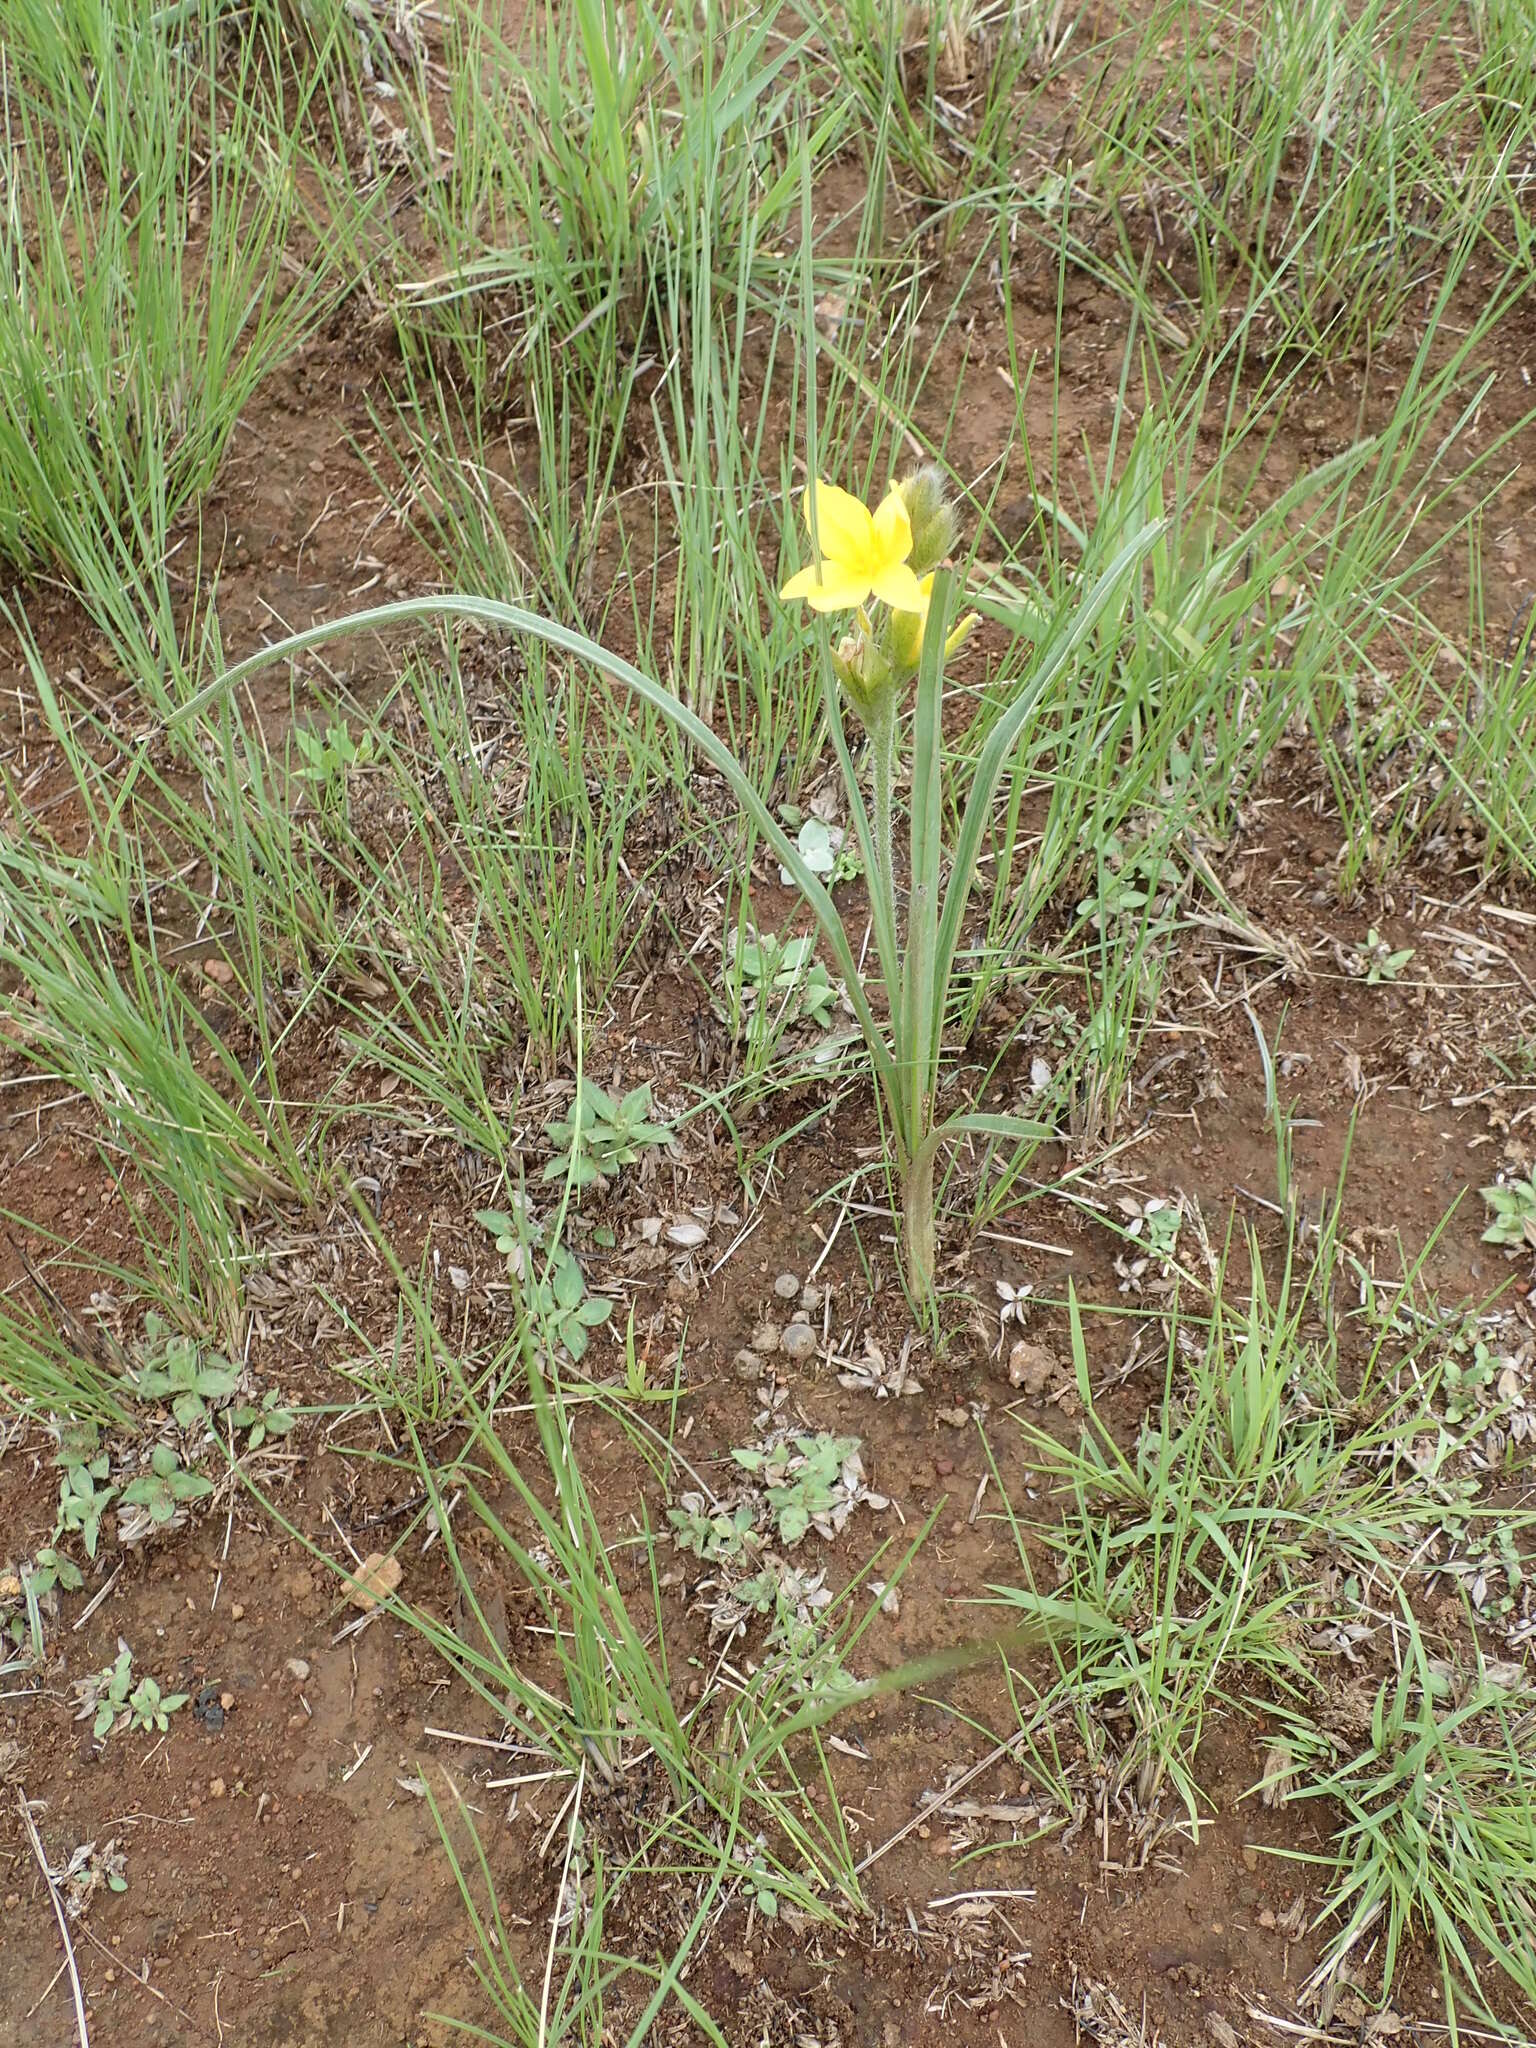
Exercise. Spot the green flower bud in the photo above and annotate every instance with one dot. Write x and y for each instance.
(863, 671)
(905, 637)
(934, 526)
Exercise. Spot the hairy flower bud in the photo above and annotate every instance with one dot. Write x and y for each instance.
(934, 527)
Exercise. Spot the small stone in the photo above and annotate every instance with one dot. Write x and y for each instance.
(747, 1365)
(765, 1338)
(787, 1286)
(226, 1700)
(810, 1298)
(237, 1612)
(1250, 1856)
(1266, 1918)
(215, 1788)
(799, 1343)
(1031, 1367)
(219, 972)
(296, 1667)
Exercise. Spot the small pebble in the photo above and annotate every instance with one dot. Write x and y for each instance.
(297, 1668)
(810, 1298)
(787, 1286)
(215, 1788)
(765, 1337)
(237, 1612)
(799, 1343)
(747, 1365)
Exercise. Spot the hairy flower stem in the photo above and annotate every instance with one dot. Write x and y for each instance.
(915, 1155)
(881, 719)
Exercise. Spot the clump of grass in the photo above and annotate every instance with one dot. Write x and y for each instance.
(1190, 1568)
(576, 163)
(1437, 1832)
(145, 207)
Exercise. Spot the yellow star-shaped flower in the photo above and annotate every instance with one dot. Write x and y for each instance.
(863, 554)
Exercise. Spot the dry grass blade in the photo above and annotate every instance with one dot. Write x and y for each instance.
(58, 1913)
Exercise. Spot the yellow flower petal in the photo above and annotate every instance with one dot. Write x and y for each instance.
(839, 592)
(894, 584)
(845, 532)
(802, 583)
(893, 529)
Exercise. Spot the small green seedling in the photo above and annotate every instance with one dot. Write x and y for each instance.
(325, 758)
(785, 973)
(149, 1708)
(174, 1369)
(165, 1486)
(1157, 1226)
(1381, 962)
(84, 1498)
(1128, 880)
(107, 1692)
(114, 1701)
(718, 1537)
(1468, 1388)
(824, 848)
(50, 1568)
(1513, 1203)
(552, 1285)
(600, 1135)
(271, 1419)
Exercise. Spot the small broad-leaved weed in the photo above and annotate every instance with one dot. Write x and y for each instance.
(26, 1591)
(87, 1870)
(553, 1290)
(598, 1136)
(825, 848)
(165, 1487)
(1382, 963)
(800, 1483)
(50, 1568)
(804, 1479)
(1513, 1203)
(325, 758)
(196, 1383)
(785, 976)
(269, 1419)
(714, 1538)
(84, 1494)
(150, 1709)
(176, 1370)
(1127, 880)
